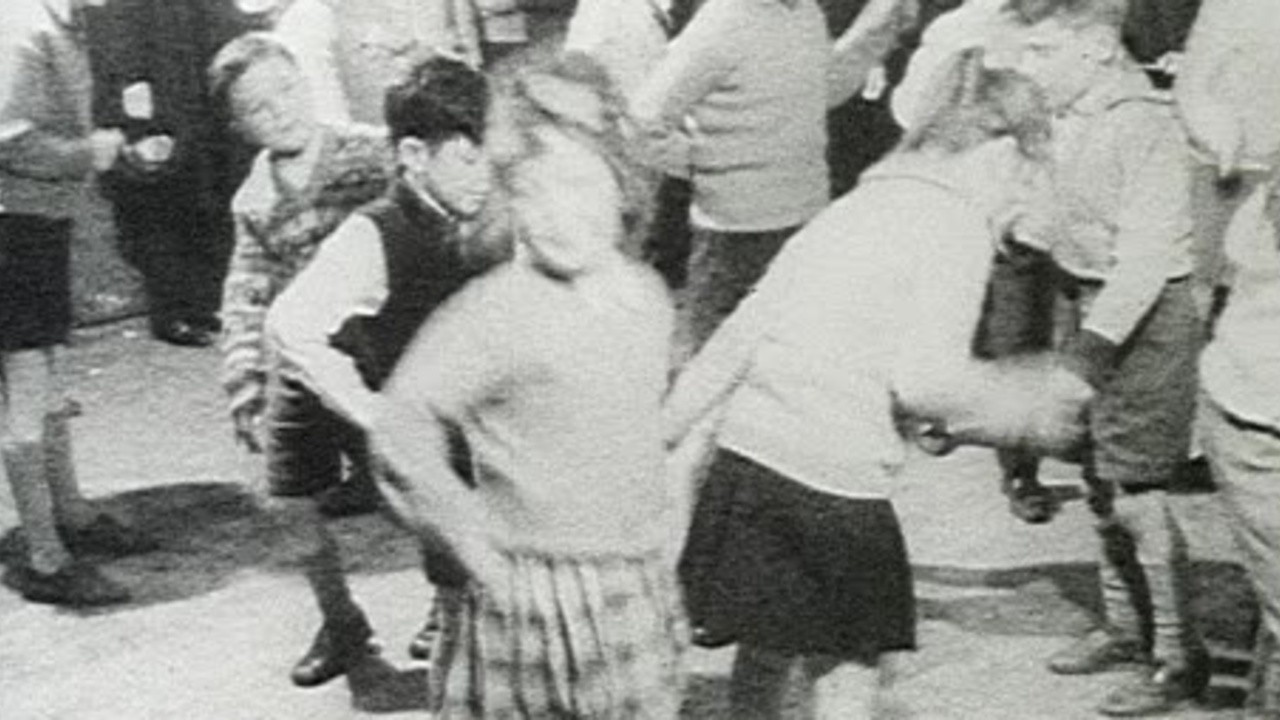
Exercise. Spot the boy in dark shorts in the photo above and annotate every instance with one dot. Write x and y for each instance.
(48, 148)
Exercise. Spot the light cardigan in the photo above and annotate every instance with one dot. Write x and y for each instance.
(558, 395)
(750, 77)
(879, 295)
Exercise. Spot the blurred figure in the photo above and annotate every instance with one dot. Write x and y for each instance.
(48, 148)
(1229, 99)
(553, 366)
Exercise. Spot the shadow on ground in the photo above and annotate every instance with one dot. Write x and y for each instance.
(209, 532)
(1064, 599)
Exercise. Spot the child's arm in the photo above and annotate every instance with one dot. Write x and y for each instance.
(872, 36)
(1032, 403)
(28, 149)
(456, 362)
(246, 294)
(695, 63)
(347, 278)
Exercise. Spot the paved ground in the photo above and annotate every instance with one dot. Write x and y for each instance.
(221, 613)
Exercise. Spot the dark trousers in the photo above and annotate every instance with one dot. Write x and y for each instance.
(180, 246)
(35, 281)
(723, 268)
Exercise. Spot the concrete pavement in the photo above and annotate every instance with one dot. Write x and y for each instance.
(222, 613)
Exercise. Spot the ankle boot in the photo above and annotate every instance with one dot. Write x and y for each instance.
(337, 647)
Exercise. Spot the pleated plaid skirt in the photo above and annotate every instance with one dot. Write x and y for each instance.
(567, 639)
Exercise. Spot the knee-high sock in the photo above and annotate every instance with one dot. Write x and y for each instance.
(1124, 593)
(323, 566)
(69, 504)
(1161, 553)
(24, 465)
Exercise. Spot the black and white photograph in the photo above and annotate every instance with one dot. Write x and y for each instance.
(639, 359)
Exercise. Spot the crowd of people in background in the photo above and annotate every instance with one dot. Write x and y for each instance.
(631, 312)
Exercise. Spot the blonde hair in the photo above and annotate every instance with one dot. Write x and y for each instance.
(968, 104)
(574, 95)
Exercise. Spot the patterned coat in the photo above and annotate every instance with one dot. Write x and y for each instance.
(278, 232)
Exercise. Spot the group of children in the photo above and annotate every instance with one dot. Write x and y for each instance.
(453, 304)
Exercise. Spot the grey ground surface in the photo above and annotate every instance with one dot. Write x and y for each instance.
(221, 613)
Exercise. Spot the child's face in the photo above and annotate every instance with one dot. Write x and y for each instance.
(272, 107)
(456, 172)
(1062, 59)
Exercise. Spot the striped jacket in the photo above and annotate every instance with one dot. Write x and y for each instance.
(278, 232)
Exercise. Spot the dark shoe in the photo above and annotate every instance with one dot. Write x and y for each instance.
(1158, 690)
(208, 323)
(709, 639)
(183, 333)
(107, 537)
(1029, 501)
(336, 649)
(77, 585)
(1099, 651)
(357, 495)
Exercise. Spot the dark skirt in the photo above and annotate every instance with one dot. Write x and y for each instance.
(35, 281)
(779, 565)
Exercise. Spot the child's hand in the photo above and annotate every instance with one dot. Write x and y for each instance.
(1059, 425)
(246, 421)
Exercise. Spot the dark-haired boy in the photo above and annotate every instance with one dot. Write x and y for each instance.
(341, 325)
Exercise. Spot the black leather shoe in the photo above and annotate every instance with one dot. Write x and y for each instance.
(706, 638)
(183, 333)
(106, 536)
(78, 585)
(357, 495)
(336, 649)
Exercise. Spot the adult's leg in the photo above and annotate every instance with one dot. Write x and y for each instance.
(178, 249)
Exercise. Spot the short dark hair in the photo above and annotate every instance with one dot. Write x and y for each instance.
(236, 57)
(440, 97)
(1109, 13)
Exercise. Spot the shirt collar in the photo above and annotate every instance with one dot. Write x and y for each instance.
(421, 201)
